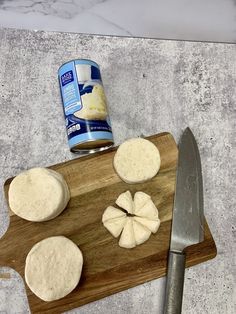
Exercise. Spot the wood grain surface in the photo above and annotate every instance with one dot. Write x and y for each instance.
(107, 268)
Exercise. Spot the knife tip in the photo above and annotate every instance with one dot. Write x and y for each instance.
(188, 130)
(189, 134)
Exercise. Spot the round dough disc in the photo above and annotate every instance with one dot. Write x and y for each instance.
(60, 178)
(53, 268)
(137, 160)
(38, 194)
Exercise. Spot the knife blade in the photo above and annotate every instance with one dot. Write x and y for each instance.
(188, 218)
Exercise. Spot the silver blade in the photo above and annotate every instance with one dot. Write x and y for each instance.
(188, 215)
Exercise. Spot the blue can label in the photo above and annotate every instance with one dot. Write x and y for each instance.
(84, 102)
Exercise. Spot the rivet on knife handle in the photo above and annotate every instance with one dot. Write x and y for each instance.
(175, 283)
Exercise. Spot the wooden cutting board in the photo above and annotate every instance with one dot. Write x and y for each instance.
(107, 268)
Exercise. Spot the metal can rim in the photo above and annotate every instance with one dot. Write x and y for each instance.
(75, 149)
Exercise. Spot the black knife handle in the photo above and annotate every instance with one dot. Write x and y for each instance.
(174, 283)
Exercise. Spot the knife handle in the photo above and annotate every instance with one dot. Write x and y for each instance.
(174, 283)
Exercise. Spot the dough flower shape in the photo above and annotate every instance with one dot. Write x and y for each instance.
(135, 223)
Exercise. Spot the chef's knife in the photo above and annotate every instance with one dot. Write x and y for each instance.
(188, 219)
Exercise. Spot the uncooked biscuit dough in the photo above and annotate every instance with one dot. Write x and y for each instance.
(148, 210)
(137, 160)
(93, 105)
(140, 199)
(137, 224)
(53, 268)
(127, 239)
(115, 225)
(152, 225)
(141, 233)
(38, 194)
(125, 201)
(64, 184)
(111, 213)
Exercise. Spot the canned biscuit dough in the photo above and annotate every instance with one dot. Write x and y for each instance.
(85, 106)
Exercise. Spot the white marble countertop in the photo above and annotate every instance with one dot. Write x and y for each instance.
(203, 20)
(159, 86)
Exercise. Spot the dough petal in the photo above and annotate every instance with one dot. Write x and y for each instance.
(127, 239)
(111, 212)
(140, 199)
(125, 201)
(141, 233)
(152, 225)
(115, 226)
(149, 211)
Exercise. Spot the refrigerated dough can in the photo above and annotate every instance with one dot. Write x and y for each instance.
(85, 107)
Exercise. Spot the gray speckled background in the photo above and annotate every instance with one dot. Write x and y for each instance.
(152, 86)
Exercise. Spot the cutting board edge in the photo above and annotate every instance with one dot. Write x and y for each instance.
(56, 166)
(89, 156)
(133, 284)
(146, 277)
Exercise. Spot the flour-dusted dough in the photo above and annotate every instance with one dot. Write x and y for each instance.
(140, 199)
(148, 210)
(111, 213)
(115, 226)
(152, 225)
(125, 201)
(38, 194)
(137, 225)
(64, 184)
(53, 268)
(127, 239)
(141, 233)
(137, 160)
